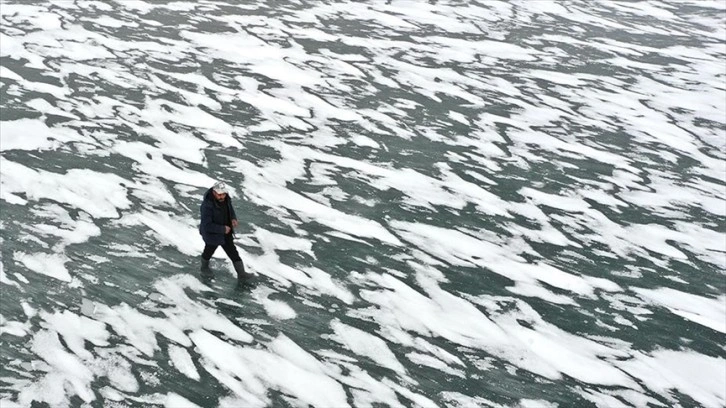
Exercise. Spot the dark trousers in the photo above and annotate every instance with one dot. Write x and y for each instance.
(228, 247)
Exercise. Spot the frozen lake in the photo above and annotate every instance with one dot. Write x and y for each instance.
(471, 204)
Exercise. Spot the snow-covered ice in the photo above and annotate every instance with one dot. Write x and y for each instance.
(489, 204)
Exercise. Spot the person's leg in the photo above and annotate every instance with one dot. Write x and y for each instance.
(239, 266)
(206, 256)
(230, 249)
(209, 251)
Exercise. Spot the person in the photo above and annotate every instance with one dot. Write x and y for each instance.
(218, 221)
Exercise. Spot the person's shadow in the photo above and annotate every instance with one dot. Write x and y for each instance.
(206, 278)
(247, 284)
(209, 278)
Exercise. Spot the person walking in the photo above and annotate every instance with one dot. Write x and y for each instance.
(218, 221)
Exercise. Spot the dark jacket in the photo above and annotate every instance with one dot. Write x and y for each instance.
(214, 216)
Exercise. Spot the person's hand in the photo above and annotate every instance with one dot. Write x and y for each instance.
(227, 229)
(235, 223)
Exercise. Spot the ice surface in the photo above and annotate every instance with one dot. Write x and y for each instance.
(46, 264)
(433, 362)
(183, 362)
(174, 400)
(13, 328)
(258, 369)
(705, 311)
(697, 375)
(28, 134)
(488, 204)
(98, 194)
(275, 308)
(367, 345)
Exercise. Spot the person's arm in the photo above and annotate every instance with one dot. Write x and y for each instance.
(208, 224)
(232, 213)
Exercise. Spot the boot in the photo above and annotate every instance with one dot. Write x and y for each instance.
(239, 267)
(204, 269)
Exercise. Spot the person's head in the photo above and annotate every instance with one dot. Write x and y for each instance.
(219, 190)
